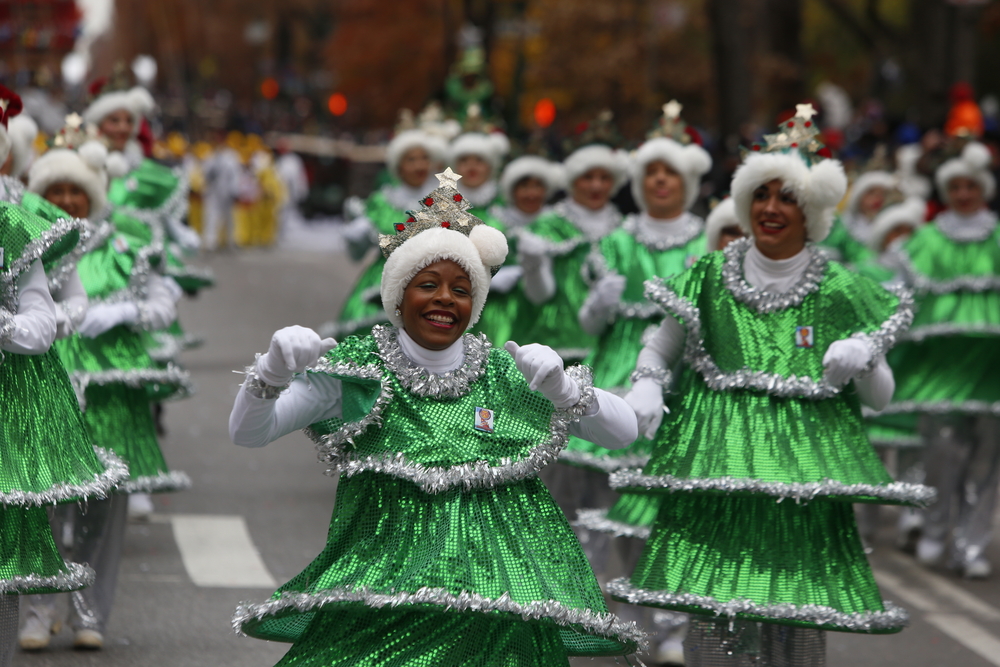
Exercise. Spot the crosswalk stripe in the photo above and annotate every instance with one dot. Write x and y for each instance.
(907, 595)
(955, 594)
(217, 551)
(968, 633)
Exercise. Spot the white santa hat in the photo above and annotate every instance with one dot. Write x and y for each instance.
(974, 163)
(691, 162)
(492, 148)
(23, 131)
(89, 167)
(479, 253)
(404, 141)
(867, 181)
(911, 212)
(722, 216)
(597, 156)
(532, 166)
(137, 101)
(817, 189)
(911, 183)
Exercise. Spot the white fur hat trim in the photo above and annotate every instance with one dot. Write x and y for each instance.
(137, 101)
(597, 156)
(722, 216)
(23, 131)
(818, 189)
(483, 248)
(911, 212)
(84, 168)
(867, 181)
(974, 163)
(691, 162)
(404, 141)
(532, 166)
(5, 144)
(491, 147)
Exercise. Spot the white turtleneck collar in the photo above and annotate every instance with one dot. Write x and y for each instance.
(405, 197)
(433, 361)
(661, 229)
(858, 226)
(595, 225)
(967, 228)
(514, 218)
(482, 195)
(774, 275)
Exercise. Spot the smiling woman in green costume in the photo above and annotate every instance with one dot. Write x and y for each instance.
(444, 548)
(778, 349)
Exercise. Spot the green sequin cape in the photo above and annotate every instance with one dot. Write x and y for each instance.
(434, 515)
(950, 359)
(627, 253)
(754, 422)
(113, 373)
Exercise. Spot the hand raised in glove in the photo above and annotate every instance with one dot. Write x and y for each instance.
(292, 350)
(646, 400)
(542, 367)
(608, 291)
(845, 360)
(102, 317)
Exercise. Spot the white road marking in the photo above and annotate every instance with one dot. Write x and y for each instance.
(907, 595)
(218, 552)
(944, 588)
(968, 633)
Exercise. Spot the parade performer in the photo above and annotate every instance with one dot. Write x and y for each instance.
(410, 158)
(722, 226)
(848, 238)
(947, 368)
(445, 547)
(110, 369)
(526, 185)
(779, 347)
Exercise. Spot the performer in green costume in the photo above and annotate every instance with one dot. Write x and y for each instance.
(110, 369)
(779, 348)
(947, 369)
(411, 157)
(444, 548)
(848, 239)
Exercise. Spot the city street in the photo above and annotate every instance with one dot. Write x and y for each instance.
(255, 518)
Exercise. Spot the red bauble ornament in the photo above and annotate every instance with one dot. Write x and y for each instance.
(429, 201)
(824, 152)
(457, 197)
(446, 224)
(795, 145)
(791, 123)
(400, 226)
(411, 219)
(809, 123)
(755, 147)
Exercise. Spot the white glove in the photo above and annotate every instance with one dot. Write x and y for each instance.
(292, 350)
(542, 367)
(105, 316)
(506, 279)
(531, 252)
(845, 359)
(646, 401)
(185, 237)
(608, 292)
(64, 325)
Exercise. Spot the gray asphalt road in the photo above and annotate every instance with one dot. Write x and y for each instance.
(162, 617)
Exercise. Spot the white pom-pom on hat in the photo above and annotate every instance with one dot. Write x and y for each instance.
(977, 155)
(490, 243)
(974, 163)
(94, 154)
(116, 164)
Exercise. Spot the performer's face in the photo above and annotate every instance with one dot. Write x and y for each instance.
(70, 197)
(897, 232)
(965, 195)
(729, 234)
(529, 195)
(592, 188)
(778, 224)
(663, 190)
(872, 201)
(474, 170)
(414, 167)
(117, 127)
(437, 305)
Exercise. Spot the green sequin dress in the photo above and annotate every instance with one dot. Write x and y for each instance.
(444, 547)
(114, 373)
(759, 460)
(950, 359)
(844, 248)
(628, 253)
(46, 455)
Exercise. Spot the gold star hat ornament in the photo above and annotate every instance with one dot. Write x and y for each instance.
(797, 135)
(441, 229)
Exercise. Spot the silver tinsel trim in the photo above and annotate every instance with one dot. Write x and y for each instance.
(763, 301)
(90, 238)
(597, 520)
(692, 228)
(102, 484)
(603, 462)
(145, 321)
(603, 625)
(641, 310)
(420, 382)
(79, 576)
(662, 376)
(332, 447)
(900, 492)
(918, 334)
(8, 326)
(32, 251)
(924, 285)
(258, 388)
(885, 337)
(943, 407)
(13, 189)
(892, 618)
(136, 378)
(164, 481)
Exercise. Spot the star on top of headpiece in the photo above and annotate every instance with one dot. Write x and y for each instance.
(672, 109)
(805, 111)
(448, 178)
(671, 125)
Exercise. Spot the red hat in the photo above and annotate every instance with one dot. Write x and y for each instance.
(10, 103)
